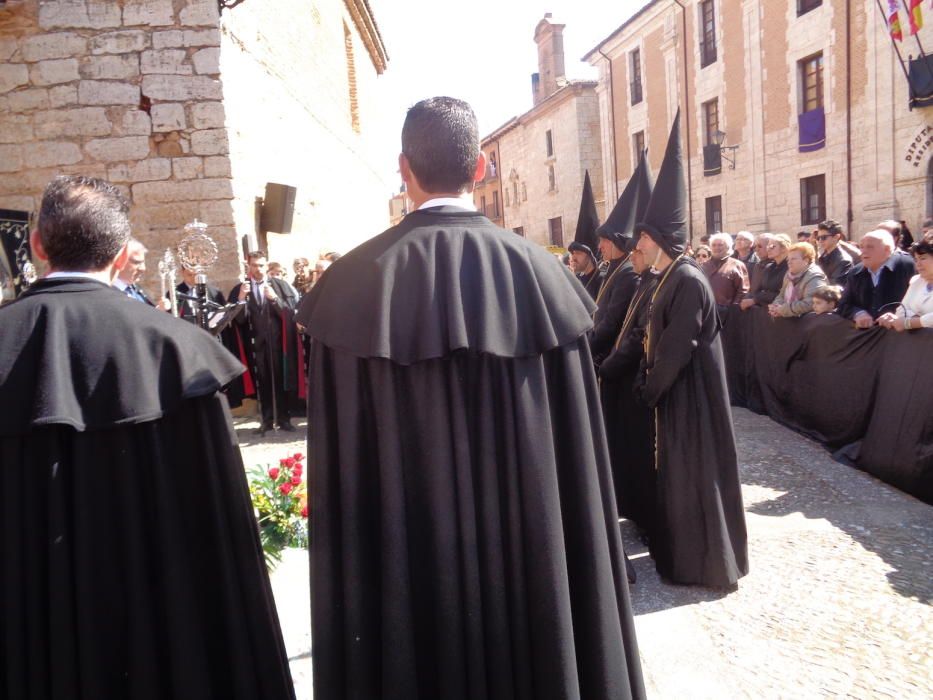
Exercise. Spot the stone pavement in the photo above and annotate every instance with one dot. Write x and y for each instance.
(837, 603)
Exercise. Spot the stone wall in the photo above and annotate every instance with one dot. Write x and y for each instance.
(755, 78)
(295, 118)
(572, 117)
(129, 91)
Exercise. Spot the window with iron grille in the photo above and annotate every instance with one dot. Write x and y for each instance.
(804, 6)
(556, 229)
(813, 199)
(495, 204)
(710, 121)
(811, 82)
(520, 230)
(707, 33)
(638, 146)
(551, 179)
(713, 215)
(635, 73)
(548, 143)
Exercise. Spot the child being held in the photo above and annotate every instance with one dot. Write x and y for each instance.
(826, 299)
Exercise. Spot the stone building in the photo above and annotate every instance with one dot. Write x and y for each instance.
(537, 161)
(793, 111)
(192, 112)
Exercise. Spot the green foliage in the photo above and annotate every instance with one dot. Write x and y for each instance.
(280, 498)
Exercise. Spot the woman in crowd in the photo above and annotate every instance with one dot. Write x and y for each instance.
(916, 309)
(771, 278)
(703, 254)
(803, 278)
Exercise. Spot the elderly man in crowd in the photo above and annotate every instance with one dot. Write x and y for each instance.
(803, 278)
(727, 275)
(834, 260)
(877, 282)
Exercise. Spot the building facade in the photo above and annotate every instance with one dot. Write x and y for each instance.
(793, 112)
(191, 113)
(537, 161)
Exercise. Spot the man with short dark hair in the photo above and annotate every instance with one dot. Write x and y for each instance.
(584, 267)
(270, 341)
(878, 282)
(131, 560)
(465, 539)
(834, 260)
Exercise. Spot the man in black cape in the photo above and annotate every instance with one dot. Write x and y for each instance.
(464, 541)
(700, 535)
(629, 425)
(132, 567)
(616, 242)
(268, 342)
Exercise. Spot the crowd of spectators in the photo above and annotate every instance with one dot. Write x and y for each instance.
(885, 279)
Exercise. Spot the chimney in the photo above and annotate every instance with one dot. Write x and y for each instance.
(549, 36)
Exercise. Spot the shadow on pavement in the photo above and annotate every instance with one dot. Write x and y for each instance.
(889, 523)
(650, 593)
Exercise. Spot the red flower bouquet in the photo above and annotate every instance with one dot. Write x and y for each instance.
(280, 498)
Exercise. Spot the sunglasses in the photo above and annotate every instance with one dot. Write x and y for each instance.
(826, 236)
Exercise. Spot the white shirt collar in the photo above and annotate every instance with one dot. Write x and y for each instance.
(464, 201)
(119, 284)
(83, 275)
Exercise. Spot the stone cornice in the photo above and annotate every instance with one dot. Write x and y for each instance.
(365, 23)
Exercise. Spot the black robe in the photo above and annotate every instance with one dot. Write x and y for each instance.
(464, 541)
(629, 427)
(591, 282)
(612, 302)
(269, 347)
(699, 536)
(132, 567)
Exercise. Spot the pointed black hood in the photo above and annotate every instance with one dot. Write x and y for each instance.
(665, 219)
(620, 225)
(588, 219)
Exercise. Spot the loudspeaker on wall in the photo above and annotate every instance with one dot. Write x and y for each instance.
(278, 208)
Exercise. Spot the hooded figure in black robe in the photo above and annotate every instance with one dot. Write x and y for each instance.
(699, 536)
(132, 568)
(464, 541)
(629, 424)
(268, 340)
(617, 241)
(591, 280)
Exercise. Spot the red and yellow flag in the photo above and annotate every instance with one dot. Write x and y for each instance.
(916, 16)
(894, 22)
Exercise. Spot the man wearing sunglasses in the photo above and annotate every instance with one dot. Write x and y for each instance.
(835, 262)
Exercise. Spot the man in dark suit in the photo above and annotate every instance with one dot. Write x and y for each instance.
(128, 277)
(834, 260)
(877, 282)
(267, 326)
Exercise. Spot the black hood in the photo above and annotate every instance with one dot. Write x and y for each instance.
(620, 225)
(575, 246)
(665, 219)
(588, 220)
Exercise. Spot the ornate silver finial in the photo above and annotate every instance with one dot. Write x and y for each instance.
(197, 251)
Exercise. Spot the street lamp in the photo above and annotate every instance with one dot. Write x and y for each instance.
(730, 159)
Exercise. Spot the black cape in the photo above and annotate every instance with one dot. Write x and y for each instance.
(700, 535)
(131, 558)
(464, 541)
(629, 424)
(591, 282)
(270, 328)
(612, 302)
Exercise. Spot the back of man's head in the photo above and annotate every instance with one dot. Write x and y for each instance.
(440, 139)
(83, 223)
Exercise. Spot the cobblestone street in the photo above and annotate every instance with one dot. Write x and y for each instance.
(837, 603)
